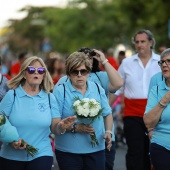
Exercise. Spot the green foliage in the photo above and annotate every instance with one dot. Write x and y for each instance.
(93, 23)
(2, 118)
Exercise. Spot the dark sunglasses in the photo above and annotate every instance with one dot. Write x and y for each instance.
(31, 70)
(167, 62)
(83, 72)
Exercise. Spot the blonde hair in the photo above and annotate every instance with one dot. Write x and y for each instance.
(47, 83)
(77, 59)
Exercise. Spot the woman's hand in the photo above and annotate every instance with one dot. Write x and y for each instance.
(108, 138)
(99, 56)
(66, 123)
(166, 98)
(83, 128)
(17, 145)
(150, 133)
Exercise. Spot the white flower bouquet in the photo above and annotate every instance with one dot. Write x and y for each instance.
(8, 134)
(88, 109)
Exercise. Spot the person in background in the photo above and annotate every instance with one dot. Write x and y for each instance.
(3, 85)
(62, 69)
(103, 78)
(121, 56)
(110, 57)
(74, 145)
(15, 68)
(53, 66)
(118, 108)
(161, 48)
(33, 110)
(157, 116)
(5, 67)
(136, 72)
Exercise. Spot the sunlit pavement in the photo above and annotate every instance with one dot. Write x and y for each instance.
(119, 163)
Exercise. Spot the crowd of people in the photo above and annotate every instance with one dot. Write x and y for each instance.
(37, 96)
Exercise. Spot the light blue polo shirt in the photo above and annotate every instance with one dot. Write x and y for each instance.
(155, 80)
(32, 117)
(162, 129)
(80, 142)
(100, 78)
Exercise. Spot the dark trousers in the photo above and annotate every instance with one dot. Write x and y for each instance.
(90, 161)
(160, 157)
(41, 163)
(110, 157)
(137, 157)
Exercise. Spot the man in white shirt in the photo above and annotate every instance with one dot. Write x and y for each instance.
(136, 73)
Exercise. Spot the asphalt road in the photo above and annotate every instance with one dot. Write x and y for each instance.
(119, 163)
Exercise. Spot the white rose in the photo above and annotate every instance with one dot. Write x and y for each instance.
(80, 110)
(98, 106)
(86, 105)
(86, 113)
(85, 100)
(76, 103)
(93, 112)
(93, 100)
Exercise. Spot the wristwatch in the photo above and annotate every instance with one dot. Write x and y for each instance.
(73, 129)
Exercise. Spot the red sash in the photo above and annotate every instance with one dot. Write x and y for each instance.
(134, 107)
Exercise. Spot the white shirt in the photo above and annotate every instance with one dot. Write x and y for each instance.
(136, 77)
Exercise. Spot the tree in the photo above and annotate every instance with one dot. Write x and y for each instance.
(91, 23)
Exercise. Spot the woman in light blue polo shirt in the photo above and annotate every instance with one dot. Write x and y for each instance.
(103, 78)
(73, 148)
(32, 109)
(157, 116)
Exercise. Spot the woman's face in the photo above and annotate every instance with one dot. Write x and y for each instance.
(56, 65)
(34, 75)
(79, 76)
(165, 67)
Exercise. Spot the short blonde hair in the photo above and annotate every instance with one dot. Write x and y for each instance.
(47, 83)
(77, 59)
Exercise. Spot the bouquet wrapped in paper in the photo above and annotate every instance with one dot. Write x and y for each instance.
(8, 134)
(90, 110)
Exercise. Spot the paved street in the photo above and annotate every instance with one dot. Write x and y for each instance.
(119, 159)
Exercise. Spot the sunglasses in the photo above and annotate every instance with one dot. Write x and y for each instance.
(167, 62)
(83, 72)
(31, 70)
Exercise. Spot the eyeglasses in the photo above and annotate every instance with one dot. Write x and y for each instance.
(167, 62)
(83, 72)
(31, 70)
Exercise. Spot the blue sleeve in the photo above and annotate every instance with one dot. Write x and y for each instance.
(59, 95)
(54, 107)
(104, 102)
(155, 80)
(152, 99)
(104, 79)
